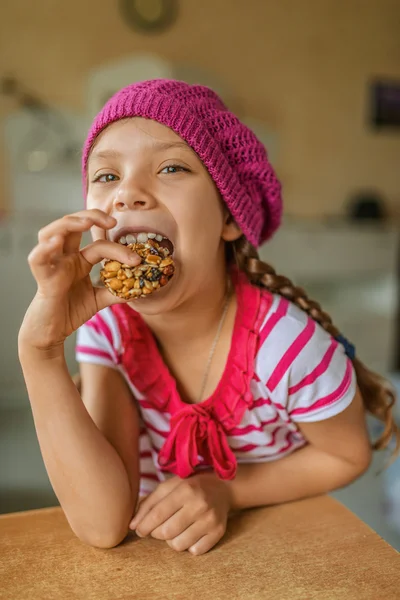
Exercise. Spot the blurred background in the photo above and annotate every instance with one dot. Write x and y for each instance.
(318, 81)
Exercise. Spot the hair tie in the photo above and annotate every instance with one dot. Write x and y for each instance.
(349, 348)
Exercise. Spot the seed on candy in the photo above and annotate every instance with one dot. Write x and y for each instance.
(153, 259)
(129, 283)
(112, 265)
(154, 272)
(115, 284)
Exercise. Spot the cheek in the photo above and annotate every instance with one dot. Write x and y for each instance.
(98, 199)
(201, 215)
(90, 202)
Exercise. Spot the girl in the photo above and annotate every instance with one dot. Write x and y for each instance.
(228, 388)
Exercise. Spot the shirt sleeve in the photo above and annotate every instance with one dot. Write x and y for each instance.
(305, 370)
(98, 340)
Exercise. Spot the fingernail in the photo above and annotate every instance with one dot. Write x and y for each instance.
(134, 260)
(139, 534)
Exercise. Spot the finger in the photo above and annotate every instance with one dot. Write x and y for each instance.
(105, 298)
(97, 251)
(175, 525)
(190, 537)
(70, 231)
(207, 542)
(43, 258)
(161, 492)
(76, 223)
(95, 213)
(46, 251)
(73, 241)
(158, 515)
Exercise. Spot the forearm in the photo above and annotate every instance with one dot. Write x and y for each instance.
(85, 470)
(307, 472)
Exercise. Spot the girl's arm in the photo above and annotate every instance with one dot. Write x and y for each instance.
(91, 451)
(90, 447)
(338, 451)
(191, 514)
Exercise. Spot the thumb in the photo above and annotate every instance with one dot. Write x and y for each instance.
(103, 249)
(162, 490)
(104, 298)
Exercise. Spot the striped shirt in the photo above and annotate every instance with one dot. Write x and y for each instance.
(282, 369)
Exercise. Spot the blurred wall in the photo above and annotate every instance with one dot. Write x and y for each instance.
(301, 66)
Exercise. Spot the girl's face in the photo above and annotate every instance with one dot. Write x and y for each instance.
(151, 181)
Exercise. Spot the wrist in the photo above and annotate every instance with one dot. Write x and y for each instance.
(28, 351)
(228, 492)
(239, 486)
(43, 327)
(232, 496)
(222, 486)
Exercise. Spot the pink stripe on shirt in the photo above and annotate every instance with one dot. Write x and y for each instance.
(261, 402)
(291, 354)
(149, 405)
(94, 352)
(289, 443)
(146, 454)
(266, 402)
(93, 326)
(151, 476)
(153, 428)
(273, 320)
(104, 328)
(249, 428)
(330, 398)
(250, 447)
(318, 371)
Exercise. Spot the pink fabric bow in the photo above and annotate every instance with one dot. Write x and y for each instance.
(195, 435)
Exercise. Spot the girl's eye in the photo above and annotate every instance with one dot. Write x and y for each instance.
(106, 178)
(173, 169)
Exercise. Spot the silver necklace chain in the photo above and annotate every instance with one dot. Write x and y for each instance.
(213, 347)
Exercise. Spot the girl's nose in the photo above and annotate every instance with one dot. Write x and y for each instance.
(130, 199)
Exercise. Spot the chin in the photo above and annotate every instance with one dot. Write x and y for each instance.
(162, 301)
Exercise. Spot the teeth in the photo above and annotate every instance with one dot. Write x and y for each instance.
(141, 238)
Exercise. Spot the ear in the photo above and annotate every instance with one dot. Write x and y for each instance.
(231, 230)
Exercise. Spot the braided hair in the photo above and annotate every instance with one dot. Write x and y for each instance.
(377, 393)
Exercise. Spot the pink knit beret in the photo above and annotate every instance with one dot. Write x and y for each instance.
(232, 154)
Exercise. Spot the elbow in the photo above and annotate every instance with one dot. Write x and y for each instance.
(362, 463)
(349, 470)
(365, 459)
(103, 540)
(102, 529)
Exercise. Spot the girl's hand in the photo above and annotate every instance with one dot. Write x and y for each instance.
(65, 297)
(190, 514)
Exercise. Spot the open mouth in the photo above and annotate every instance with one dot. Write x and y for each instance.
(153, 273)
(128, 237)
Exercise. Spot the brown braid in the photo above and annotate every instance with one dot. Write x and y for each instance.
(378, 395)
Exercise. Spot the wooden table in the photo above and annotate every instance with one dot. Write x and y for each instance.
(313, 549)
